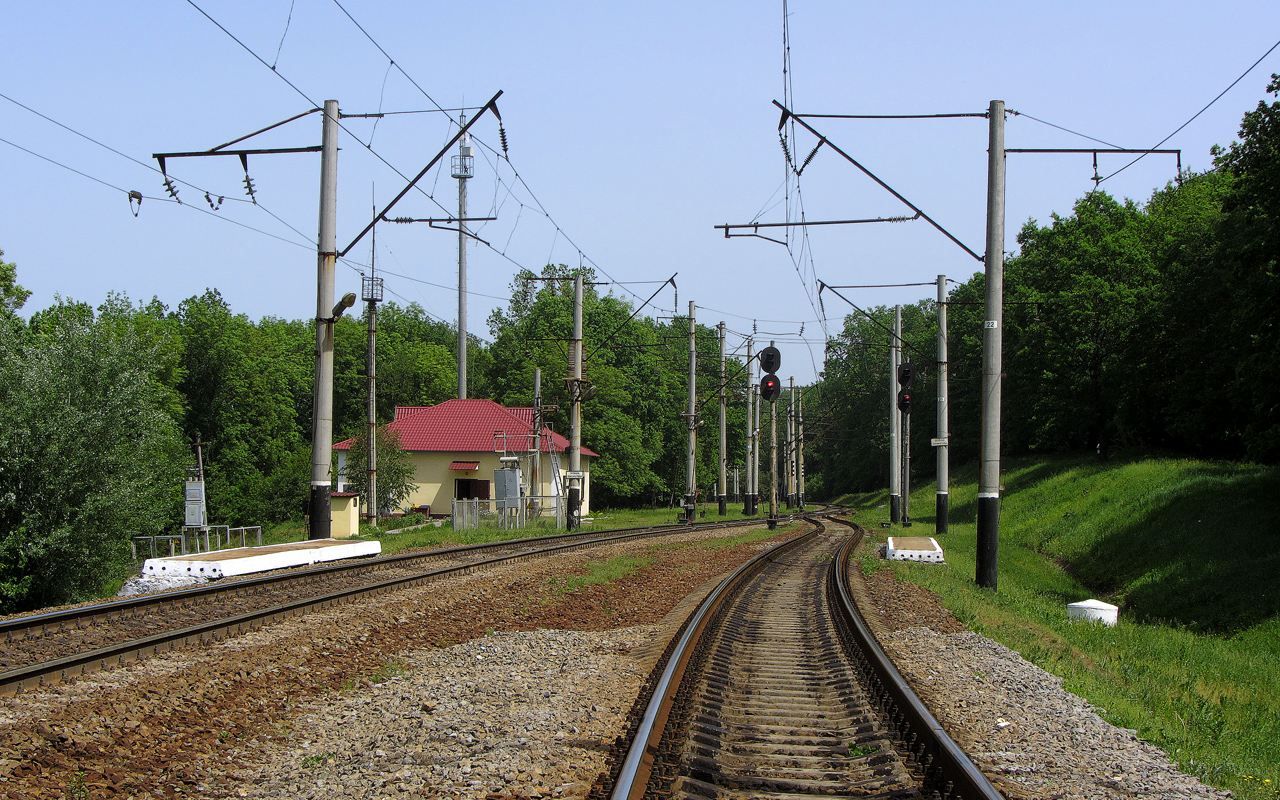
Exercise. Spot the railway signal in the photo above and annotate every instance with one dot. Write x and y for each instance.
(904, 401)
(770, 387)
(770, 359)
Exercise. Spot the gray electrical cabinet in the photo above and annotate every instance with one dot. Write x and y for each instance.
(506, 488)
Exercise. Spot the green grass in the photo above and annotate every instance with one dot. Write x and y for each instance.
(601, 572)
(388, 670)
(1189, 550)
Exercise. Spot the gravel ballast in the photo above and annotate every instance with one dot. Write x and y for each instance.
(1032, 737)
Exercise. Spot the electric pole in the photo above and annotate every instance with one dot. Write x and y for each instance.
(535, 467)
(755, 452)
(773, 462)
(691, 470)
(895, 426)
(463, 169)
(989, 466)
(575, 409)
(723, 486)
(790, 450)
(800, 450)
(326, 258)
(372, 292)
(942, 442)
(750, 394)
(906, 464)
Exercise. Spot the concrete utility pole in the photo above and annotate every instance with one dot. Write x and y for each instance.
(751, 443)
(755, 451)
(535, 466)
(989, 465)
(773, 463)
(790, 451)
(906, 469)
(800, 450)
(940, 509)
(463, 169)
(724, 439)
(326, 258)
(895, 421)
(575, 409)
(691, 470)
(372, 291)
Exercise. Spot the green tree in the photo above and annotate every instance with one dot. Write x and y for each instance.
(395, 470)
(89, 455)
(1249, 260)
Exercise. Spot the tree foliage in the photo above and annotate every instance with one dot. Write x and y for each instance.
(89, 453)
(395, 470)
(1148, 326)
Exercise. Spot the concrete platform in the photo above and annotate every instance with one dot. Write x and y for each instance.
(245, 560)
(914, 548)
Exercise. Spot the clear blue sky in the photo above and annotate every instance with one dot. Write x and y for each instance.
(639, 126)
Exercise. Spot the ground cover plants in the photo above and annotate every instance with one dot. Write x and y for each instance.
(1188, 549)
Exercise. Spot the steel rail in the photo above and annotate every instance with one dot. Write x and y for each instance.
(19, 679)
(18, 627)
(948, 769)
(637, 765)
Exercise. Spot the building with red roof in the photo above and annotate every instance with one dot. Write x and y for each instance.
(455, 447)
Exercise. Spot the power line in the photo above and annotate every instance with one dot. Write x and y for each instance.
(1062, 128)
(111, 149)
(559, 231)
(1197, 114)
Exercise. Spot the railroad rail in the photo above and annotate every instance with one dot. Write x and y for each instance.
(777, 688)
(49, 647)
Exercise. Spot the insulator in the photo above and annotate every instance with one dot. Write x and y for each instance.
(502, 138)
(249, 188)
(754, 330)
(802, 329)
(809, 158)
(208, 198)
(786, 151)
(171, 189)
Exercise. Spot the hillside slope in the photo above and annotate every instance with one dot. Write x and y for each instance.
(1190, 552)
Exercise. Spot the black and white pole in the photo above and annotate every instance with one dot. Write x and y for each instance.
(895, 425)
(722, 497)
(942, 442)
(989, 449)
(574, 516)
(691, 416)
(326, 259)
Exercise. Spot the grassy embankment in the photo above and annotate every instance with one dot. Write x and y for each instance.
(1189, 550)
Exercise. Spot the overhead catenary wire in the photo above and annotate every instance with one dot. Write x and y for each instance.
(1065, 129)
(559, 230)
(1178, 129)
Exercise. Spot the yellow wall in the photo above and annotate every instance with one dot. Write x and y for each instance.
(435, 485)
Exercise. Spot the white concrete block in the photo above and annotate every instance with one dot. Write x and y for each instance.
(914, 548)
(1094, 611)
(245, 560)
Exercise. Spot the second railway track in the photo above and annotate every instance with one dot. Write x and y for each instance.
(44, 648)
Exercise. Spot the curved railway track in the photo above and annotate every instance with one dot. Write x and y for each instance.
(777, 689)
(45, 648)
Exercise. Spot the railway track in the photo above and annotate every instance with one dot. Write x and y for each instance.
(777, 689)
(46, 648)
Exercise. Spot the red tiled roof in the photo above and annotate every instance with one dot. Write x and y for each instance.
(464, 466)
(468, 426)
